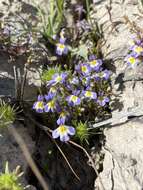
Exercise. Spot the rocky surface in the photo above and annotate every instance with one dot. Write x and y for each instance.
(122, 165)
(11, 152)
(23, 17)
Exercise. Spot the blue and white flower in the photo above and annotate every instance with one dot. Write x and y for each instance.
(94, 63)
(83, 69)
(61, 48)
(73, 100)
(89, 94)
(63, 131)
(51, 106)
(102, 75)
(102, 99)
(132, 60)
(137, 50)
(57, 78)
(39, 104)
(51, 94)
(62, 118)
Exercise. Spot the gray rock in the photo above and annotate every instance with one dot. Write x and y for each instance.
(21, 16)
(122, 166)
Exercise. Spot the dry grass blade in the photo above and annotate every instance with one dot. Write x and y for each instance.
(48, 131)
(90, 160)
(28, 157)
(66, 160)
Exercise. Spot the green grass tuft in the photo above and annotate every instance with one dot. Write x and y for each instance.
(7, 114)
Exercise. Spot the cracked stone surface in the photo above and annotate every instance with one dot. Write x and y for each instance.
(122, 165)
(14, 11)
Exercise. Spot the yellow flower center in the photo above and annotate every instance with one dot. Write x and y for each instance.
(61, 46)
(52, 89)
(73, 98)
(58, 78)
(51, 104)
(83, 68)
(62, 114)
(138, 49)
(132, 60)
(62, 129)
(88, 94)
(39, 105)
(93, 63)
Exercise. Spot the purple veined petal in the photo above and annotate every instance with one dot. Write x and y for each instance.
(57, 108)
(64, 138)
(46, 108)
(83, 92)
(76, 92)
(34, 105)
(61, 120)
(92, 57)
(59, 51)
(62, 40)
(78, 101)
(107, 99)
(97, 77)
(40, 98)
(77, 68)
(52, 110)
(55, 134)
(100, 61)
(94, 96)
(39, 110)
(47, 98)
(101, 102)
(65, 51)
(106, 74)
(71, 130)
(49, 83)
(64, 75)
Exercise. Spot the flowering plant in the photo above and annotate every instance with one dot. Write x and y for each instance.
(73, 92)
(135, 54)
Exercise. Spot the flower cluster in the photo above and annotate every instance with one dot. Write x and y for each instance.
(135, 54)
(73, 91)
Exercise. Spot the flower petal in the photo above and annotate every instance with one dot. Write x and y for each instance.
(55, 134)
(71, 130)
(64, 138)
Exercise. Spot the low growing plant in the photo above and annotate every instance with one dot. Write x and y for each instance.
(10, 180)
